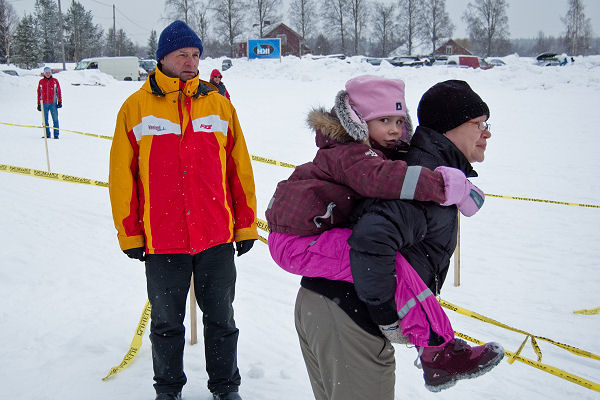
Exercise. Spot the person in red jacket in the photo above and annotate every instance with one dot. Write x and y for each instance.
(215, 79)
(50, 98)
(182, 192)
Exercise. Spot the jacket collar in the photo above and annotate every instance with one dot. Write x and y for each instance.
(442, 148)
(160, 84)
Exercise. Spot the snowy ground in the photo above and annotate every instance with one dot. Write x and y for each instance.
(72, 300)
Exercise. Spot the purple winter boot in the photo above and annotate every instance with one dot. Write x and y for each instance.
(443, 366)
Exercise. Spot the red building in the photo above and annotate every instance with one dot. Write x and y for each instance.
(291, 42)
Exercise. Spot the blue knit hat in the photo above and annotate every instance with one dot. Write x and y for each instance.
(177, 36)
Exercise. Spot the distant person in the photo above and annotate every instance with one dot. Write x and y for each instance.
(50, 99)
(215, 79)
(182, 191)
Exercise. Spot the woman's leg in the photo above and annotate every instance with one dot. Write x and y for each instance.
(344, 362)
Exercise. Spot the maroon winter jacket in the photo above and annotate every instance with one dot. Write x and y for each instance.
(321, 194)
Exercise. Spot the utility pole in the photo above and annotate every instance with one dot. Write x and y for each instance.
(62, 40)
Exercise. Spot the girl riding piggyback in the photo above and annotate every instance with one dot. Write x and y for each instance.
(361, 143)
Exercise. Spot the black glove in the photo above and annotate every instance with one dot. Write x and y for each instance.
(39, 107)
(136, 253)
(59, 105)
(243, 246)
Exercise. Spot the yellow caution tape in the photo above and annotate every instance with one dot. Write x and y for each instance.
(543, 201)
(50, 175)
(472, 314)
(589, 311)
(288, 165)
(136, 342)
(272, 162)
(261, 224)
(61, 129)
(544, 367)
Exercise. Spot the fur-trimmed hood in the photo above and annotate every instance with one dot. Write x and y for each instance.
(338, 125)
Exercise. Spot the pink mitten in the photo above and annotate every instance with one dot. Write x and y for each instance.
(460, 191)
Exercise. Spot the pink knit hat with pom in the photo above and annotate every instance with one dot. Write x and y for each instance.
(368, 97)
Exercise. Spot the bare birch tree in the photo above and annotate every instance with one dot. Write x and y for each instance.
(487, 24)
(436, 22)
(334, 19)
(180, 9)
(359, 12)
(8, 24)
(411, 20)
(302, 16)
(265, 13)
(579, 29)
(229, 15)
(384, 24)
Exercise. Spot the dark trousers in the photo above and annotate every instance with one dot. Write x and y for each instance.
(168, 280)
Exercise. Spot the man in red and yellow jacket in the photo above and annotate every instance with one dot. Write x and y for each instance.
(182, 191)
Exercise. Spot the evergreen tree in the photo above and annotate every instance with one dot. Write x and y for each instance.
(26, 47)
(8, 23)
(152, 45)
(46, 19)
(83, 38)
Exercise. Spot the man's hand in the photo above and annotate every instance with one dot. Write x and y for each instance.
(136, 253)
(39, 107)
(243, 246)
(59, 105)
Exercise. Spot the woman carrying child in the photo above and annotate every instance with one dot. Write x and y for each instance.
(341, 325)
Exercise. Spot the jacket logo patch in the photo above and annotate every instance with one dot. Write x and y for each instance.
(371, 153)
(398, 106)
(156, 128)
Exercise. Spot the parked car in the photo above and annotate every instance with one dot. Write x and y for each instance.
(226, 64)
(10, 72)
(406, 61)
(374, 60)
(547, 59)
(467, 61)
(120, 68)
(148, 65)
(496, 62)
(439, 60)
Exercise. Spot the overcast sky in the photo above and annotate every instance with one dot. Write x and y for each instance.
(138, 17)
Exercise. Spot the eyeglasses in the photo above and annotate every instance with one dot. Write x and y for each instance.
(482, 125)
(217, 76)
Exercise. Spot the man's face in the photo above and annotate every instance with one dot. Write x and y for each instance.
(182, 63)
(48, 74)
(470, 139)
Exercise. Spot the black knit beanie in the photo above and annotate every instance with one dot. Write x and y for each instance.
(449, 104)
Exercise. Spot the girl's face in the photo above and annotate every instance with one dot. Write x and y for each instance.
(386, 131)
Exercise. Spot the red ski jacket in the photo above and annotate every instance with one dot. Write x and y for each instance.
(48, 91)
